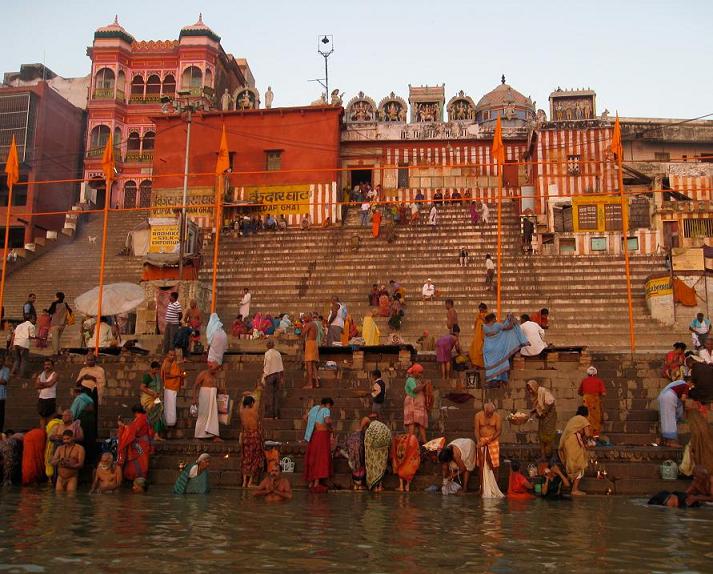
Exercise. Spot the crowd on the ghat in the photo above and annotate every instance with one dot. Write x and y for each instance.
(65, 447)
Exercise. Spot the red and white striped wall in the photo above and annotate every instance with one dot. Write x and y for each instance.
(323, 203)
(596, 169)
(696, 187)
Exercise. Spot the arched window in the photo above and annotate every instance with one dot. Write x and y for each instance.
(121, 86)
(169, 85)
(130, 194)
(145, 193)
(137, 87)
(97, 140)
(192, 79)
(133, 142)
(209, 78)
(104, 84)
(149, 140)
(153, 88)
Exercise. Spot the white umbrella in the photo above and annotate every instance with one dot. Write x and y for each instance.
(117, 298)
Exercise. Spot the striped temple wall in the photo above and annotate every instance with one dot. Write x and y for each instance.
(323, 203)
(696, 187)
(562, 153)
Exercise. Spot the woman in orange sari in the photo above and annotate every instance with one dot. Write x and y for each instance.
(405, 459)
(519, 488)
(33, 456)
(134, 450)
(476, 346)
(376, 223)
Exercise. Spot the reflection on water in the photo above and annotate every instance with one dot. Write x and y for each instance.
(347, 532)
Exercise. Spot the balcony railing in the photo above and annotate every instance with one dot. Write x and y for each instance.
(139, 157)
(148, 99)
(103, 94)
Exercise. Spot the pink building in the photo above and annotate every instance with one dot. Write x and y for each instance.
(129, 78)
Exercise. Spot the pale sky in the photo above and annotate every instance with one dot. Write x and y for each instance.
(643, 58)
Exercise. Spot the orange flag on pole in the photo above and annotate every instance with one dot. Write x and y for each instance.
(12, 165)
(108, 160)
(223, 163)
(498, 147)
(616, 147)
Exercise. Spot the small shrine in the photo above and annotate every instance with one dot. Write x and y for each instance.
(573, 105)
(427, 103)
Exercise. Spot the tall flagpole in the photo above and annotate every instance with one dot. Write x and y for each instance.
(108, 167)
(12, 169)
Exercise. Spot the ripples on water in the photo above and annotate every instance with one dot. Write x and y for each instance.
(346, 532)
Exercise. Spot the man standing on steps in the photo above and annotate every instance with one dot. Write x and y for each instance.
(311, 350)
(28, 309)
(273, 373)
(59, 311)
(335, 321)
(489, 272)
(174, 312)
(245, 304)
(378, 393)
(95, 371)
(528, 230)
(452, 317)
(46, 384)
(21, 339)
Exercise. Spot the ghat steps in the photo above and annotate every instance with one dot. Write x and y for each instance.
(73, 267)
(631, 420)
(298, 271)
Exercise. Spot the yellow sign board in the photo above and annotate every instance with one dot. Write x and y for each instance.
(658, 287)
(587, 215)
(200, 201)
(688, 259)
(164, 238)
(280, 199)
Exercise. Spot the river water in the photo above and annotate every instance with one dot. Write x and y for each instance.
(346, 532)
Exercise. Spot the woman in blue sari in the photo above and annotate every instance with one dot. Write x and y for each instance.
(502, 340)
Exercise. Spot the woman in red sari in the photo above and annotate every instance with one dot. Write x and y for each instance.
(519, 488)
(376, 223)
(135, 448)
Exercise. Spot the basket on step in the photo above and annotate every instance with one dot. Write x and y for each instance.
(518, 418)
(669, 470)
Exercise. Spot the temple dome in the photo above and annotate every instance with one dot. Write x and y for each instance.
(199, 29)
(504, 101)
(114, 30)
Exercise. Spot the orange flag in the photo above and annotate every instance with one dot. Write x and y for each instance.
(615, 146)
(108, 159)
(498, 147)
(12, 165)
(223, 162)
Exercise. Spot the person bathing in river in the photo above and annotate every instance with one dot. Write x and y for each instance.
(274, 487)
(107, 476)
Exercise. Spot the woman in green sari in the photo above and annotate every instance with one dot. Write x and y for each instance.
(377, 444)
(194, 478)
(150, 399)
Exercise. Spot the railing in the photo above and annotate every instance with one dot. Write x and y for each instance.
(103, 94)
(139, 157)
(95, 153)
(149, 99)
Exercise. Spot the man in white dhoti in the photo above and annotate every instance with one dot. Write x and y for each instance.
(488, 427)
(535, 337)
(458, 457)
(205, 398)
(245, 303)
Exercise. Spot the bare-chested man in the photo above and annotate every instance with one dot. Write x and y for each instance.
(107, 477)
(251, 443)
(274, 487)
(205, 396)
(488, 427)
(311, 351)
(69, 459)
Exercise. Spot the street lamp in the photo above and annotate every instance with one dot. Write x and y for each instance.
(183, 104)
(325, 47)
